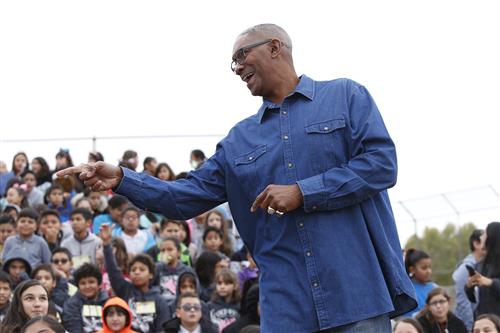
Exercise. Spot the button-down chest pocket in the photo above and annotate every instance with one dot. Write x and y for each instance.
(327, 143)
(247, 169)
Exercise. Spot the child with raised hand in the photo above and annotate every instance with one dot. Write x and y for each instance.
(36, 248)
(225, 304)
(418, 265)
(150, 309)
(82, 312)
(169, 267)
(116, 317)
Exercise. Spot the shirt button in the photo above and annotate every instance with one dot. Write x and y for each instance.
(314, 207)
(285, 137)
(301, 225)
(315, 284)
(284, 112)
(325, 128)
(290, 165)
(250, 158)
(308, 253)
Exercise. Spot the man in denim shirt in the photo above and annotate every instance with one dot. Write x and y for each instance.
(306, 181)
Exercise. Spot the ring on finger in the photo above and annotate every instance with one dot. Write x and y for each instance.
(271, 210)
(279, 213)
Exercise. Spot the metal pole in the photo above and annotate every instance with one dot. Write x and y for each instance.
(457, 212)
(414, 219)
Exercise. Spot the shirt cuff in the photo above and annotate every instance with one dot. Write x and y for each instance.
(313, 191)
(130, 181)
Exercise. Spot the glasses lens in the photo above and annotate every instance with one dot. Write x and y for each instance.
(190, 307)
(62, 261)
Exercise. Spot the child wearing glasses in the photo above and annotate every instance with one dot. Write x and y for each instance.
(436, 316)
(188, 316)
(63, 267)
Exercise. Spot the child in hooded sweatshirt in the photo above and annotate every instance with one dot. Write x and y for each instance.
(116, 317)
(169, 267)
(150, 309)
(225, 304)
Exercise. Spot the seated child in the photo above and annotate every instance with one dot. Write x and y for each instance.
(54, 198)
(34, 246)
(7, 228)
(17, 266)
(137, 240)
(5, 293)
(116, 204)
(51, 229)
(169, 267)
(58, 294)
(83, 311)
(171, 228)
(116, 317)
(82, 244)
(225, 304)
(189, 316)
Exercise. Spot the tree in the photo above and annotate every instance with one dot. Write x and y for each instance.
(446, 248)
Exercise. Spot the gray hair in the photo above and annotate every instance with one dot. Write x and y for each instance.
(270, 30)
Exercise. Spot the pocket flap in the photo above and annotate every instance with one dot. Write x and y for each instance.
(326, 126)
(251, 156)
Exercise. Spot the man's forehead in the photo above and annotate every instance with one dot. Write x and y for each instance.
(246, 39)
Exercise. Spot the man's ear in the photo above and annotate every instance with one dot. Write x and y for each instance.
(275, 48)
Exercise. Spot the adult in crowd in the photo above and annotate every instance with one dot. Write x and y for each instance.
(487, 275)
(306, 180)
(464, 308)
(197, 158)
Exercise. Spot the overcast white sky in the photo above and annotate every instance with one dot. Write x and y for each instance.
(113, 68)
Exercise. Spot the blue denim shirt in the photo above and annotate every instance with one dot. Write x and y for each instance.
(337, 259)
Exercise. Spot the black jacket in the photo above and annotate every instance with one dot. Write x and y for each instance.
(174, 325)
(454, 324)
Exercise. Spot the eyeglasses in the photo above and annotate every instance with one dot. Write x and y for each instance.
(440, 302)
(60, 261)
(239, 56)
(191, 307)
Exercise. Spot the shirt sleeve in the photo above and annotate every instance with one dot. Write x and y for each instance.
(45, 252)
(71, 315)
(201, 191)
(371, 168)
(118, 283)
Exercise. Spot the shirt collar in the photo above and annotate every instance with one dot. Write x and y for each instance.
(185, 330)
(305, 88)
